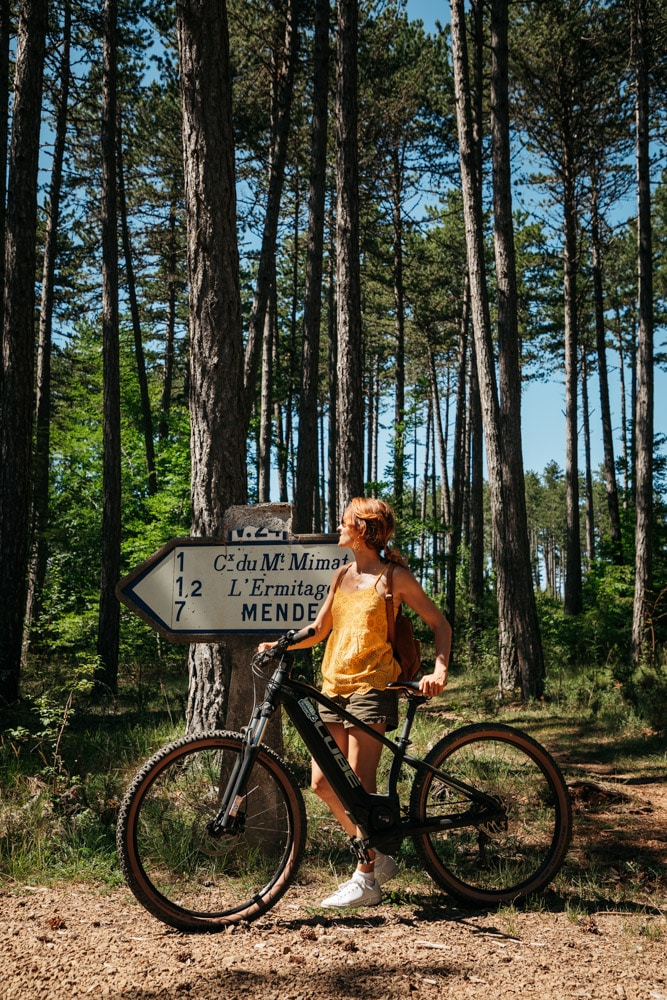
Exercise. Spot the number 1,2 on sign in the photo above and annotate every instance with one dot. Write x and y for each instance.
(195, 588)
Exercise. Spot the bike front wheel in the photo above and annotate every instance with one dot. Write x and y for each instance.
(517, 851)
(184, 874)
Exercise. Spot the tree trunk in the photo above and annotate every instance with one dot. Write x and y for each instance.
(588, 473)
(644, 407)
(349, 398)
(399, 326)
(5, 39)
(521, 607)
(439, 434)
(146, 415)
(605, 409)
(476, 504)
(281, 105)
(520, 650)
(18, 345)
(266, 408)
(372, 418)
(283, 427)
(472, 207)
(573, 583)
(455, 525)
(625, 459)
(170, 330)
(108, 635)
(218, 437)
(40, 512)
(332, 368)
(306, 464)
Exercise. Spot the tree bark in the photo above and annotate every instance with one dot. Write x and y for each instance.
(5, 38)
(349, 398)
(218, 426)
(306, 463)
(476, 504)
(520, 650)
(266, 408)
(454, 528)
(146, 415)
(573, 582)
(40, 512)
(332, 450)
(519, 594)
(611, 485)
(645, 390)
(588, 472)
(170, 329)
(399, 327)
(16, 399)
(281, 105)
(108, 632)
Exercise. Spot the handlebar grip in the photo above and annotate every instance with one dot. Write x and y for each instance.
(409, 685)
(304, 633)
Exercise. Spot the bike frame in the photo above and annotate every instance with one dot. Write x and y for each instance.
(377, 816)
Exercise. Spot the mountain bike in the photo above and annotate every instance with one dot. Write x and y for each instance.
(212, 828)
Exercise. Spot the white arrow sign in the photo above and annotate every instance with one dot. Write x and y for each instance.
(196, 589)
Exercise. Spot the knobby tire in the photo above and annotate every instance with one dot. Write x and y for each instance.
(501, 861)
(187, 877)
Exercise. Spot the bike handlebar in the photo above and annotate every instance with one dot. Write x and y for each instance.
(290, 638)
(304, 633)
(404, 685)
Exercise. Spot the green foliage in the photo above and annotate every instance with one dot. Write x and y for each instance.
(598, 636)
(64, 765)
(588, 656)
(645, 689)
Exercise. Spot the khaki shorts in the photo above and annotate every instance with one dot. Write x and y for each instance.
(371, 707)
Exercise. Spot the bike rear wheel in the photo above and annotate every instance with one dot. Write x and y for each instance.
(182, 873)
(522, 849)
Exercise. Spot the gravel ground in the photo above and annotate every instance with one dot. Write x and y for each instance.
(70, 941)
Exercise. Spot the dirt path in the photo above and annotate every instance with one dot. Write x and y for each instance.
(67, 942)
(60, 943)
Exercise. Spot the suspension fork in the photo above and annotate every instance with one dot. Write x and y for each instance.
(234, 792)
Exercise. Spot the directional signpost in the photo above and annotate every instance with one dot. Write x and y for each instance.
(257, 581)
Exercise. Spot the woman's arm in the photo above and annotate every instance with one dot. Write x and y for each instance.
(322, 624)
(407, 589)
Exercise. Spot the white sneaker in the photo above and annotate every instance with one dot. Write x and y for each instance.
(356, 892)
(385, 867)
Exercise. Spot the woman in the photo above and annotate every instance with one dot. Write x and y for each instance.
(358, 665)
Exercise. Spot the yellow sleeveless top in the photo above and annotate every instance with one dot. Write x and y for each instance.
(358, 656)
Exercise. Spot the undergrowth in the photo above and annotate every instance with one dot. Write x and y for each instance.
(65, 762)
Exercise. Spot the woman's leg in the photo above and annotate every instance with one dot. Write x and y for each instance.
(363, 754)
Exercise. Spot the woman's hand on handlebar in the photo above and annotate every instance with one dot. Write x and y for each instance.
(291, 640)
(434, 683)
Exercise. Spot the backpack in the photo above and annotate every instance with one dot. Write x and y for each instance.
(407, 649)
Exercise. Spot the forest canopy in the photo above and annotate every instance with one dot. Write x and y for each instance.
(363, 344)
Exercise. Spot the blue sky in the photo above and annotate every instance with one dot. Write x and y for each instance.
(544, 403)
